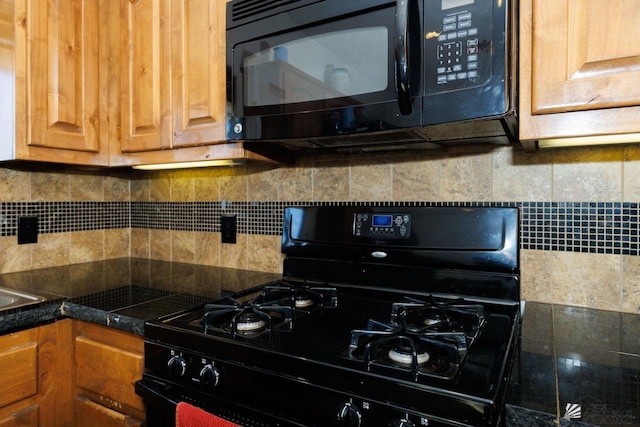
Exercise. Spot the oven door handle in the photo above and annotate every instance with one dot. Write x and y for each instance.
(152, 391)
(402, 57)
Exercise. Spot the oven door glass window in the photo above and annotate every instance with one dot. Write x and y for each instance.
(333, 65)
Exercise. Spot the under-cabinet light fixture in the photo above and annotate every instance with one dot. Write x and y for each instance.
(626, 138)
(186, 165)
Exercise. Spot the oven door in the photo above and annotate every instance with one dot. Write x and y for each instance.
(162, 398)
(329, 68)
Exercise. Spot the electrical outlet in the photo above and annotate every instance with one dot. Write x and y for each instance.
(27, 229)
(228, 228)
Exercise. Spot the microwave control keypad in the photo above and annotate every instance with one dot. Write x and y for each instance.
(460, 61)
(458, 48)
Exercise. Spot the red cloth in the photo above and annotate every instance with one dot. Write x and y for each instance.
(190, 416)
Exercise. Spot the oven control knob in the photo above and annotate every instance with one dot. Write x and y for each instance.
(177, 367)
(402, 423)
(209, 376)
(349, 415)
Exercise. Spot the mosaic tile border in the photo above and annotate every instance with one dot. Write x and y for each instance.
(593, 227)
(60, 217)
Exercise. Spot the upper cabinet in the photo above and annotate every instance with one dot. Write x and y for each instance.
(57, 111)
(579, 68)
(173, 82)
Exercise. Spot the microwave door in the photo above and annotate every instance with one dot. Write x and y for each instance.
(329, 79)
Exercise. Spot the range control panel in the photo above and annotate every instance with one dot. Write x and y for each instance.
(382, 225)
(458, 45)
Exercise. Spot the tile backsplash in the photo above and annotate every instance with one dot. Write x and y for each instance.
(579, 212)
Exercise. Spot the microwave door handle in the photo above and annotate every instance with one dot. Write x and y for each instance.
(402, 57)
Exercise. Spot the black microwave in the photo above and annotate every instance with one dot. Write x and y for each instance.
(370, 74)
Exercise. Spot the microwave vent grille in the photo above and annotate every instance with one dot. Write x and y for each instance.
(249, 10)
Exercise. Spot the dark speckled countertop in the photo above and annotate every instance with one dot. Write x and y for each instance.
(121, 293)
(574, 366)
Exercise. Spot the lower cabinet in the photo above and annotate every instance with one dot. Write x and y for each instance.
(108, 362)
(71, 373)
(34, 386)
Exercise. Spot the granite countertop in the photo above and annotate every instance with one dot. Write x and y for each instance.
(574, 366)
(121, 293)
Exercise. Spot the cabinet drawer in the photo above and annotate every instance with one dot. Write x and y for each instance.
(20, 373)
(109, 372)
(87, 413)
(27, 417)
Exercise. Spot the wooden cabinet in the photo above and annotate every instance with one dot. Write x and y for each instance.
(34, 388)
(579, 68)
(108, 362)
(60, 113)
(173, 83)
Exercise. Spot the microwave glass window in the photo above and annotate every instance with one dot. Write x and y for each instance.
(450, 4)
(331, 65)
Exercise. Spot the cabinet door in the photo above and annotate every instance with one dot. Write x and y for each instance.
(145, 72)
(585, 57)
(579, 67)
(58, 82)
(198, 70)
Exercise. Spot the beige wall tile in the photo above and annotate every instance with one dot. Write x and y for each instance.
(159, 187)
(370, 181)
(207, 248)
(14, 257)
(86, 246)
(520, 176)
(631, 284)
(586, 280)
(233, 186)
(535, 276)
(140, 191)
(182, 187)
(183, 246)
(207, 187)
(631, 173)
(160, 244)
(262, 185)
(331, 182)
(466, 176)
(116, 189)
(86, 188)
(416, 180)
(587, 174)
(15, 186)
(117, 243)
(140, 243)
(49, 187)
(295, 184)
(264, 253)
(234, 255)
(52, 250)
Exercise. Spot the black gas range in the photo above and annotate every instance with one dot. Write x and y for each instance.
(384, 316)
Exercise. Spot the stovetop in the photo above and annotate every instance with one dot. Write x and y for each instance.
(337, 335)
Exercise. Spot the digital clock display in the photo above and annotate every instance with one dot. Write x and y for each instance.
(450, 4)
(382, 220)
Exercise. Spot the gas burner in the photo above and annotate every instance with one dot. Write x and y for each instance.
(303, 302)
(250, 322)
(432, 316)
(247, 319)
(404, 355)
(302, 296)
